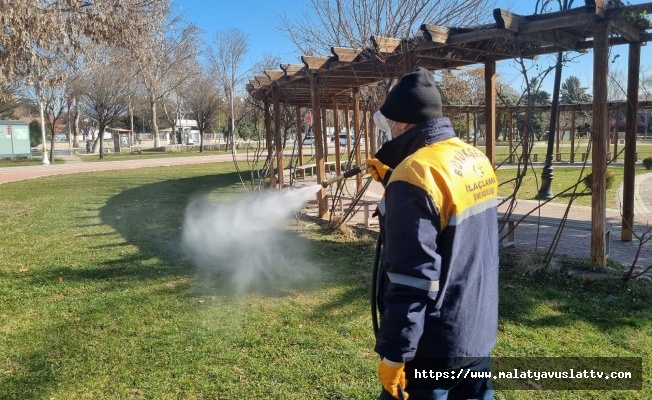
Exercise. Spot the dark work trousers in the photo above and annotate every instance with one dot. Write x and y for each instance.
(451, 389)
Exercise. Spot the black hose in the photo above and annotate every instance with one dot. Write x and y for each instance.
(375, 273)
(374, 285)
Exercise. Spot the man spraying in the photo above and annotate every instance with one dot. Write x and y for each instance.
(438, 296)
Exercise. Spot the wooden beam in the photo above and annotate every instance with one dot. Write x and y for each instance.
(315, 63)
(436, 36)
(263, 80)
(345, 54)
(615, 12)
(556, 37)
(599, 7)
(565, 21)
(385, 45)
(274, 74)
(508, 20)
(480, 35)
(625, 30)
(599, 151)
(633, 70)
(291, 69)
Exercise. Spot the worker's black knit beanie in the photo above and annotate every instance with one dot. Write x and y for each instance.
(414, 99)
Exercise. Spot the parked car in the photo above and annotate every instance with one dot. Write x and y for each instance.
(308, 139)
(343, 139)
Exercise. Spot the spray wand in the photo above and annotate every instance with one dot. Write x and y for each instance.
(347, 174)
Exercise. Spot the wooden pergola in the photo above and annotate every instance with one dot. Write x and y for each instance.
(334, 82)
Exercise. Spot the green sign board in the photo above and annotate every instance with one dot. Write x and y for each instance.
(14, 139)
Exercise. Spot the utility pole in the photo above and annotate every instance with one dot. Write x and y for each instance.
(44, 160)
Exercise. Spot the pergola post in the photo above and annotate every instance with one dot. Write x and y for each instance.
(299, 134)
(614, 157)
(490, 110)
(366, 118)
(324, 132)
(600, 135)
(277, 134)
(468, 128)
(347, 127)
(572, 136)
(322, 202)
(358, 134)
(559, 137)
(451, 116)
(336, 129)
(510, 133)
(629, 169)
(268, 142)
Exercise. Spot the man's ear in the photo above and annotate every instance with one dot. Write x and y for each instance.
(402, 126)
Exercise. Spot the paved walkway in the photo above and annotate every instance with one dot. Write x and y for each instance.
(11, 174)
(575, 244)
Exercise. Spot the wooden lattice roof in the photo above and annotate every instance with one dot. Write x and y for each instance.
(511, 36)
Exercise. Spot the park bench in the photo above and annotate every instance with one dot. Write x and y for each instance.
(571, 224)
(301, 170)
(368, 208)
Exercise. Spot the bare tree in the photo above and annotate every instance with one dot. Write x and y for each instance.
(9, 99)
(351, 23)
(226, 58)
(172, 112)
(163, 61)
(36, 31)
(54, 103)
(202, 99)
(106, 87)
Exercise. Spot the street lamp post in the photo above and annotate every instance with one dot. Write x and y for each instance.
(44, 160)
(545, 192)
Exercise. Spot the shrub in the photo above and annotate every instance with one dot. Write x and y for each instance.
(647, 163)
(610, 177)
(35, 135)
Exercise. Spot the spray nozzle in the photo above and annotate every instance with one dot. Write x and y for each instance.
(347, 174)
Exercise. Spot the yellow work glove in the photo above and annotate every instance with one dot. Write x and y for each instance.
(377, 169)
(391, 375)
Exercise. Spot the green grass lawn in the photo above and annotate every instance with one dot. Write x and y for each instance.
(98, 301)
(563, 178)
(150, 154)
(20, 162)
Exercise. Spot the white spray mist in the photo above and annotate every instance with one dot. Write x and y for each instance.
(246, 240)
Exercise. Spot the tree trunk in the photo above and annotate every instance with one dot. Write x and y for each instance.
(75, 126)
(101, 139)
(157, 142)
(52, 135)
(201, 141)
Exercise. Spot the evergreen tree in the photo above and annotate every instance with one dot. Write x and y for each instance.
(572, 92)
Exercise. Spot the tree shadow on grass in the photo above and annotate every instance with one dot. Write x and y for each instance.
(571, 195)
(150, 216)
(553, 304)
